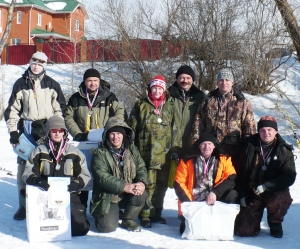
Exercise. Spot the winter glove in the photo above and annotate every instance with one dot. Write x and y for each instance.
(14, 137)
(81, 137)
(41, 183)
(243, 202)
(175, 156)
(75, 185)
(260, 189)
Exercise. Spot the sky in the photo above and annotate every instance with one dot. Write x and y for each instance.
(13, 233)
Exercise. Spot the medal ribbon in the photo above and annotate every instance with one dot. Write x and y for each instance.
(60, 151)
(262, 153)
(206, 166)
(119, 155)
(90, 104)
(33, 85)
(158, 110)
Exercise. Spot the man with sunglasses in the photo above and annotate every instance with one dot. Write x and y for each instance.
(34, 99)
(56, 158)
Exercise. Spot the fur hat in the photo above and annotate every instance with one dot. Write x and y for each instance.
(225, 73)
(39, 58)
(159, 81)
(55, 122)
(91, 73)
(186, 70)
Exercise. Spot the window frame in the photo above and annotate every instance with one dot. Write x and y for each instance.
(76, 26)
(39, 19)
(19, 17)
(15, 41)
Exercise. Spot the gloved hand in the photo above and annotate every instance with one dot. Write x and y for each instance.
(243, 202)
(73, 187)
(14, 137)
(41, 183)
(260, 189)
(81, 137)
(175, 156)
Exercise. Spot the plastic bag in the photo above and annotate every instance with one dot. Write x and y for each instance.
(209, 222)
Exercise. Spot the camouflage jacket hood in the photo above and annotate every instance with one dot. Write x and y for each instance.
(114, 121)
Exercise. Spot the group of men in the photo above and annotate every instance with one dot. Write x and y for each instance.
(225, 114)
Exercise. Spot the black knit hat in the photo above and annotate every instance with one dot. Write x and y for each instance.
(267, 123)
(204, 137)
(91, 73)
(187, 70)
(117, 129)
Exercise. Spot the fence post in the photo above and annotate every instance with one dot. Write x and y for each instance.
(39, 45)
(83, 49)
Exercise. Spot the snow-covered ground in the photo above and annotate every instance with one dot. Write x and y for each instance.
(13, 233)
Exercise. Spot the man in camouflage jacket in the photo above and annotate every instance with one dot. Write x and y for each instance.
(227, 114)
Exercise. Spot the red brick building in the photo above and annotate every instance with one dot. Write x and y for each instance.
(50, 20)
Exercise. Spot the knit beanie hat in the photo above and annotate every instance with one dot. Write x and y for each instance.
(39, 58)
(117, 129)
(159, 81)
(55, 122)
(91, 73)
(267, 121)
(225, 73)
(186, 70)
(205, 137)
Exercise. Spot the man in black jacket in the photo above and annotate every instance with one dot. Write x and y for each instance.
(265, 171)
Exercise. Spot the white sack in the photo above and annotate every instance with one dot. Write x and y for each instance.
(95, 135)
(209, 222)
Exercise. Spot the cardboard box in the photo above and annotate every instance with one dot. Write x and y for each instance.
(48, 216)
(87, 148)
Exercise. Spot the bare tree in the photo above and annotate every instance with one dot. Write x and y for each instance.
(290, 22)
(8, 25)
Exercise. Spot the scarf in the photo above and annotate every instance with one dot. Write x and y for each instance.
(156, 102)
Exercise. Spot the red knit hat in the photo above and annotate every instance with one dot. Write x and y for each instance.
(159, 81)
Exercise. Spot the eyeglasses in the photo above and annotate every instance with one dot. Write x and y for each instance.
(57, 130)
(38, 60)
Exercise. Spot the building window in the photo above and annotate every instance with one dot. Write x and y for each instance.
(15, 41)
(39, 22)
(19, 17)
(76, 25)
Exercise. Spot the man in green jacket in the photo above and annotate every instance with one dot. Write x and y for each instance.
(90, 108)
(186, 101)
(119, 179)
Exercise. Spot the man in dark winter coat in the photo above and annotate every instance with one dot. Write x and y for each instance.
(227, 114)
(119, 179)
(265, 172)
(35, 98)
(56, 158)
(90, 108)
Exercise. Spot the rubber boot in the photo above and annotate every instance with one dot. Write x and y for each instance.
(130, 213)
(276, 230)
(156, 218)
(21, 212)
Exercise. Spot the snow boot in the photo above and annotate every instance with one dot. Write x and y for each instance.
(182, 227)
(21, 212)
(276, 230)
(145, 222)
(156, 218)
(130, 213)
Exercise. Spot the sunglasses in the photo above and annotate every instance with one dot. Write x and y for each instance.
(57, 130)
(38, 60)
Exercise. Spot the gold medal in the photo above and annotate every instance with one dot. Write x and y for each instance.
(35, 95)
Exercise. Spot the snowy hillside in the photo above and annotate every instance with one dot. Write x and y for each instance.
(13, 233)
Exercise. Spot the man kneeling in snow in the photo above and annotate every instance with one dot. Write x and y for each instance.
(208, 176)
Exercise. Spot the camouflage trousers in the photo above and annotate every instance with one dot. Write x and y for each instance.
(156, 190)
(247, 222)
